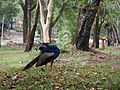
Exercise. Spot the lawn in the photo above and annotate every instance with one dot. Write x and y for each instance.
(74, 70)
(15, 57)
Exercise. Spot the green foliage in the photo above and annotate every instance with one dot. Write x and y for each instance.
(9, 8)
(64, 38)
(66, 26)
(112, 7)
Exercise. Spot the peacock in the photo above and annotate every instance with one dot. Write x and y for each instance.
(48, 54)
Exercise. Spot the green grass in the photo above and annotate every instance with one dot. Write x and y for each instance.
(68, 74)
(112, 50)
(62, 78)
(4, 48)
(15, 57)
(78, 56)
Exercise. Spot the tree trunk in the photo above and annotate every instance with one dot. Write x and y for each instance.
(9, 29)
(32, 32)
(2, 30)
(45, 19)
(24, 27)
(112, 35)
(0, 39)
(85, 23)
(25, 21)
(76, 36)
(109, 35)
(96, 31)
(50, 32)
(116, 34)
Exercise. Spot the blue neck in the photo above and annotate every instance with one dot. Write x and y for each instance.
(50, 49)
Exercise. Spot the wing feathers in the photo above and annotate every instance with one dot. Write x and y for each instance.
(30, 64)
(44, 59)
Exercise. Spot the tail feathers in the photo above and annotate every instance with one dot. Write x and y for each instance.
(30, 64)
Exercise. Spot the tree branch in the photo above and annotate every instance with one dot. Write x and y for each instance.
(33, 7)
(49, 14)
(60, 13)
(42, 18)
(36, 16)
(22, 4)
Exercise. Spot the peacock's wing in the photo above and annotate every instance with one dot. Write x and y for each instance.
(44, 59)
(30, 64)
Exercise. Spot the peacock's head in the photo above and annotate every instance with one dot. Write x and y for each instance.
(44, 47)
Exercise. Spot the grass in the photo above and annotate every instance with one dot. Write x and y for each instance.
(4, 48)
(112, 50)
(62, 78)
(78, 56)
(15, 57)
(66, 74)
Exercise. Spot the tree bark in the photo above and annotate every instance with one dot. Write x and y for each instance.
(32, 32)
(85, 23)
(2, 30)
(45, 19)
(116, 34)
(96, 31)
(25, 21)
(0, 39)
(109, 35)
(112, 35)
(24, 27)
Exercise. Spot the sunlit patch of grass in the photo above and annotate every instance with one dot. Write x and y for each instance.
(16, 58)
(5, 48)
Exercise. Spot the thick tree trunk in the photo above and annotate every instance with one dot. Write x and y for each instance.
(32, 32)
(85, 24)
